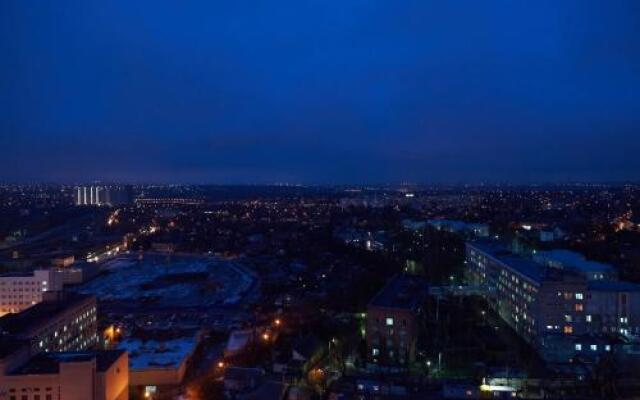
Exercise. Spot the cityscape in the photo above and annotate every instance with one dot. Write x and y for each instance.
(197, 292)
(320, 200)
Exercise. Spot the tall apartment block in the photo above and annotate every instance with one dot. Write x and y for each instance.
(555, 307)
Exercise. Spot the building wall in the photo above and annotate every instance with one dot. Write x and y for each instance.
(113, 384)
(482, 269)
(74, 381)
(17, 293)
(15, 359)
(516, 302)
(562, 306)
(613, 311)
(75, 329)
(391, 335)
(14, 387)
(157, 376)
(78, 274)
(77, 380)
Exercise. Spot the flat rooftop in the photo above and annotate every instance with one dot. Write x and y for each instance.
(158, 354)
(49, 363)
(491, 247)
(402, 291)
(571, 259)
(9, 345)
(22, 323)
(523, 266)
(179, 281)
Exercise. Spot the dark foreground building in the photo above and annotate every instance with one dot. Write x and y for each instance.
(393, 321)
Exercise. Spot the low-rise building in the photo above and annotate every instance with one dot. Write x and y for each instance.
(79, 272)
(102, 375)
(452, 226)
(154, 364)
(393, 321)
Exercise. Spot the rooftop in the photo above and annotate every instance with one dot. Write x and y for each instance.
(402, 291)
(571, 259)
(526, 267)
(49, 363)
(158, 354)
(8, 345)
(492, 247)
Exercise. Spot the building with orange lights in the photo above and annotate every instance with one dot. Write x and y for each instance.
(102, 375)
(21, 291)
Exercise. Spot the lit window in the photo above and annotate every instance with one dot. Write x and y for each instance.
(579, 296)
(607, 347)
(588, 318)
(389, 321)
(375, 352)
(579, 307)
(594, 347)
(568, 329)
(578, 347)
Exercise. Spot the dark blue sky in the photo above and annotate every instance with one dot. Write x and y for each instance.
(325, 91)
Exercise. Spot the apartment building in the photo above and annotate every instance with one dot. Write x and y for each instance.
(61, 322)
(393, 321)
(21, 291)
(553, 306)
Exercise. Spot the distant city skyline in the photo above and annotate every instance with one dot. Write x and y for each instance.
(327, 92)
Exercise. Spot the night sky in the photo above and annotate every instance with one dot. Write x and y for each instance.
(326, 91)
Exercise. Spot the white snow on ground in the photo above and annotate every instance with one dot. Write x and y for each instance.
(126, 275)
(157, 354)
